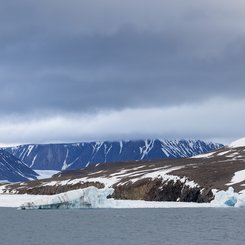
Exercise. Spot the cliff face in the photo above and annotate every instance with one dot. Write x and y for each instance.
(159, 190)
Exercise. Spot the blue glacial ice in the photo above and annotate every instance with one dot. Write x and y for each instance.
(229, 198)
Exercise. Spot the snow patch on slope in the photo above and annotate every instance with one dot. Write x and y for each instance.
(238, 177)
(135, 174)
(238, 143)
(204, 155)
(44, 174)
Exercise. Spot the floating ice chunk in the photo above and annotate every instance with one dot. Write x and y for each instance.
(90, 197)
(227, 198)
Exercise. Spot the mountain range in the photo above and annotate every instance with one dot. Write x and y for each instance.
(13, 170)
(80, 155)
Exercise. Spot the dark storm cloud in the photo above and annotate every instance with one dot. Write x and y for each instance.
(95, 55)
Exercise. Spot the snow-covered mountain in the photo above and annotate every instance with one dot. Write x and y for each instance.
(80, 155)
(232, 152)
(13, 170)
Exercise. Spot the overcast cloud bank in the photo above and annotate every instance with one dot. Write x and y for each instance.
(88, 70)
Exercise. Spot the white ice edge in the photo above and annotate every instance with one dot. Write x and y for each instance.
(97, 198)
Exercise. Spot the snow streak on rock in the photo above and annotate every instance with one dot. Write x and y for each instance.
(80, 155)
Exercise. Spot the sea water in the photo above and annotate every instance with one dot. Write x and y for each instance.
(123, 226)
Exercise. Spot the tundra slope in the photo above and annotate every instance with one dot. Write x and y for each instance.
(80, 155)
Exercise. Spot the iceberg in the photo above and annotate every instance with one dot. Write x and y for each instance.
(90, 197)
(229, 198)
(226, 198)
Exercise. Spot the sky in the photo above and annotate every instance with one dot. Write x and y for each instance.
(84, 70)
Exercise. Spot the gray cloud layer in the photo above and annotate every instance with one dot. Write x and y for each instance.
(84, 56)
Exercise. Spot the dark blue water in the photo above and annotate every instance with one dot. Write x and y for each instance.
(122, 226)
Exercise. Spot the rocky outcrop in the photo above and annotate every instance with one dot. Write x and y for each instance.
(159, 190)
